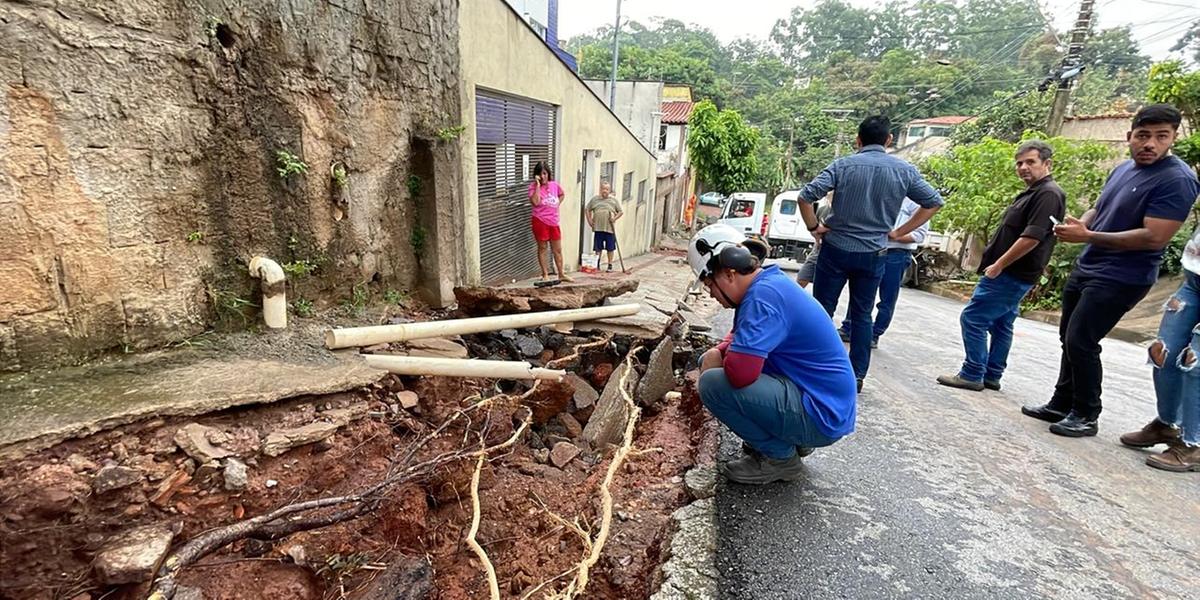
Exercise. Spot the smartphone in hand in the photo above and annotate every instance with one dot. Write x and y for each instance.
(1054, 221)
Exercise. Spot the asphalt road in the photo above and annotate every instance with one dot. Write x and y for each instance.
(944, 493)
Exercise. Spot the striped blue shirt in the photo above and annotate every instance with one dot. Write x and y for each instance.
(868, 189)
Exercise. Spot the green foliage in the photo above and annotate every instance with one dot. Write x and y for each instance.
(300, 268)
(979, 180)
(1189, 42)
(1007, 118)
(1170, 83)
(722, 148)
(229, 305)
(195, 237)
(447, 134)
(289, 164)
(413, 183)
(1188, 149)
(337, 172)
(417, 239)
(395, 297)
(303, 307)
(360, 294)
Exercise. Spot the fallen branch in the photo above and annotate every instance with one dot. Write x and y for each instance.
(493, 585)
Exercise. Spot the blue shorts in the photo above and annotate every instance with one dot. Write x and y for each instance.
(603, 240)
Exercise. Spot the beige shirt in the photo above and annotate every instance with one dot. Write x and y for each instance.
(603, 211)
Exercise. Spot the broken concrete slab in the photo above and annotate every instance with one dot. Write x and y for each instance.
(477, 301)
(408, 400)
(113, 477)
(585, 395)
(283, 440)
(343, 416)
(659, 377)
(607, 423)
(701, 482)
(43, 408)
(133, 556)
(563, 453)
(435, 348)
(648, 323)
(196, 441)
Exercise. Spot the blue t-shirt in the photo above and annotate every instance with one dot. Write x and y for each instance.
(1164, 190)
(779, 322)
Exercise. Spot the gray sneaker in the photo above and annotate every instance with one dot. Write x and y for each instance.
(755, 469)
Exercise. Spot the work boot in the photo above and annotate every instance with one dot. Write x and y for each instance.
(756, 469)
(1043, 412)
(1179, 458)
(1075, 426)
(955, 381)
(1155, 432)
(991, 384)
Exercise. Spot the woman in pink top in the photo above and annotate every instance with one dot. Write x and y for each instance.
(545, 195)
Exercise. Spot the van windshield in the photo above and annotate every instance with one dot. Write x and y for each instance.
(787, 207)
(741, 208)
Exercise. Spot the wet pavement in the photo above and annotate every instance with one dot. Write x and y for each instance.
(944, 493)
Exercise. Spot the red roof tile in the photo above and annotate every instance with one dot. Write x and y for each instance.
(949, 120)
(676, 113)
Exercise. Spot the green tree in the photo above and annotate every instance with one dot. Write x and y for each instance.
(1170, 83)
(1007, 117)
(722, 148)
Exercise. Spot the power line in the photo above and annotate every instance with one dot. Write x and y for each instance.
(1012, 47)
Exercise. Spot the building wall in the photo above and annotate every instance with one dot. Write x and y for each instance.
(638, 105)
(138, 143)
(499, 52)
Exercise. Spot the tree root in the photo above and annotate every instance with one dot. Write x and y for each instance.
(493, 584)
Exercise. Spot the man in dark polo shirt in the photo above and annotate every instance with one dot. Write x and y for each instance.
(1143, 204)
(1012, 263)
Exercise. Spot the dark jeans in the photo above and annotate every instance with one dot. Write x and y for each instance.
(1091, 308)
(895, 265)
(863, 270)
(994, 306)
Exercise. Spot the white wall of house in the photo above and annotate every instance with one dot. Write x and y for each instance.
(638, 105)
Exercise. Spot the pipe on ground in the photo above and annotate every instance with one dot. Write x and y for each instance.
(385, 334)
(274, 288)
(460, 367)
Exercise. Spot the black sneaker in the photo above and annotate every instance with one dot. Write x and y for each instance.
(860, 385)
(845, 335)
(610, 267)
(874, 343)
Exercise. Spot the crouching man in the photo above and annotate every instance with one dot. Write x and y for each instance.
(782, 382)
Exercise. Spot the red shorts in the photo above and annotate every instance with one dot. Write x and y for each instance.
(545, 233)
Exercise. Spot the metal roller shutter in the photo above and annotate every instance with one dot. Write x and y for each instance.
(512, 135)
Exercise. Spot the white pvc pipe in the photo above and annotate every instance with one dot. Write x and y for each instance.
(274, 291)
(460, 367)
(384, 334)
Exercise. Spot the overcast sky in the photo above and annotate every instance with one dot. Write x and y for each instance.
(1159, 22)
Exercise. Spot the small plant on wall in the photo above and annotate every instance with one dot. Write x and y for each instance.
(447, 134)
(288, 164)
(414, 187)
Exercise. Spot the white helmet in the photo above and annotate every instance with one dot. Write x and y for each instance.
(708, 243)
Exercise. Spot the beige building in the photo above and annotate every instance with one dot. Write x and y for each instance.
(520, 105)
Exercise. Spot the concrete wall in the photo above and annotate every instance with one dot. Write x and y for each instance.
(638, 105)
(138, 144)
(500, 52)
(675, 153)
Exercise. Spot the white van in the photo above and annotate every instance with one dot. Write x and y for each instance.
(746, 211)
(786, 232)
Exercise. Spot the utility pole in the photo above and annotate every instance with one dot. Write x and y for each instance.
(612, 83)
(1071, 65)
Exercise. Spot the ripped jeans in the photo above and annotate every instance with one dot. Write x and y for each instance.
(1176, 379)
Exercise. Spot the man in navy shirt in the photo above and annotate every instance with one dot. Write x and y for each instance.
(782, 382)
(1143, 204)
